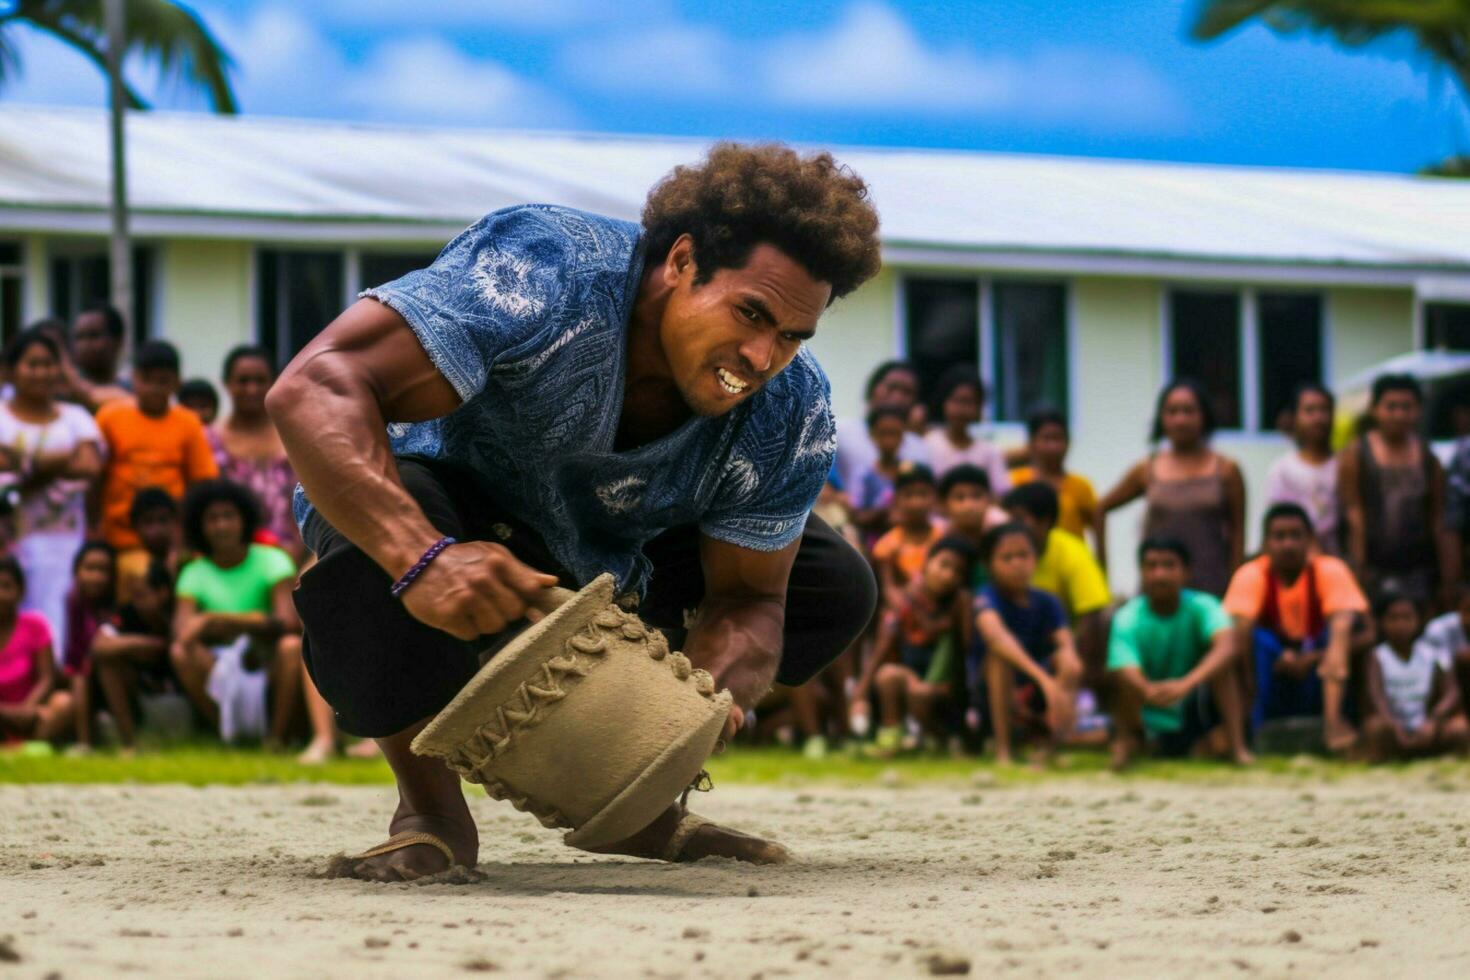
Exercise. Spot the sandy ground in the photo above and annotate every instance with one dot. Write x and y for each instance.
(1365, 877)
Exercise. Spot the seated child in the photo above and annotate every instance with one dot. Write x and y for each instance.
(130, 650)
(1295, 609)
(1022, 630)
(1450, 635)
(1065, 568)
(900, 554)
(88, 605)
(920, 642)
(155, 518)
(970, 510)
(1415, 700)
(32, 703)
(1170, 650)
(872, 494)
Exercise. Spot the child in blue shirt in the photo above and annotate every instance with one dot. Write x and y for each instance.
(1030, 663)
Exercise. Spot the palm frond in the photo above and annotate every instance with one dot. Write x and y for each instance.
(167, 34)
(1440, 28)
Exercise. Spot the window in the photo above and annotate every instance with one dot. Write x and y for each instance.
(82, 277)
(1024, 338)
(942, 326)
(12, 275)
(1030, 349)
(296, 294)
(1250, 350)
(1447, 326)
(383, 267)
(1204, 344)
(1290, 330)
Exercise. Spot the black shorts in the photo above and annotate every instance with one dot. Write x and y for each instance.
(382, 671)
(1200, 718)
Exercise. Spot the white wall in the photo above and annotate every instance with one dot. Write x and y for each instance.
(205, 303)
(853, 336)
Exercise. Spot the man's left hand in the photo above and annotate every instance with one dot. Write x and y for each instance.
(1165, 693)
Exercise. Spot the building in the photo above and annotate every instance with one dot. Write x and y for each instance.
(1083, 284)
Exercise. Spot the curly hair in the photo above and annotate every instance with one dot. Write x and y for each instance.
(810, 207)
(207, 492)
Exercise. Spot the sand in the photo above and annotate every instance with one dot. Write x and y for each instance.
(1366, 877)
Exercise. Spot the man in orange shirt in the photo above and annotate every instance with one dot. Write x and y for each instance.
(1296, 611)
(151, 442)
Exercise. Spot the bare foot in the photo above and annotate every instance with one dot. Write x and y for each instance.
(1243, 757)
(417, 860)
(710, 840)
(1122, 754)
(366, 749)
(318, 752)
(1340, 737)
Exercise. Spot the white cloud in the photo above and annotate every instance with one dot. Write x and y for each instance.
(681, 60)
(285, 65)
(871, 60)
(554, 15)
(428, 80)
(52, 72)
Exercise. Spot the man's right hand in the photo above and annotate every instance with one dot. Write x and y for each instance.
(474, 589)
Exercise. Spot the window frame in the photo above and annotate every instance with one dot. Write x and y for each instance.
(1249, 338)
(148, 290)
(1421, 318)
(16, 273)
(986, 334)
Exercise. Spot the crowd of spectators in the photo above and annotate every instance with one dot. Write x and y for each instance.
(149, 552)
(997, 625)
(148, 545)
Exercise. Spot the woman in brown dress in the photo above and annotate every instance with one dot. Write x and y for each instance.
(1392, 490)
(1191, 492)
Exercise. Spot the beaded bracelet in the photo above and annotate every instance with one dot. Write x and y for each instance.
(418, 567)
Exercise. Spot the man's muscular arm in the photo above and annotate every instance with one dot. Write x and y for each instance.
(738, 631)
(331, 406)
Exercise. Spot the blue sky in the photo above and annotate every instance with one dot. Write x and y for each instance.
(1105, 77)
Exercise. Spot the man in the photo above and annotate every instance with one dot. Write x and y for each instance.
(564, 394)
(1392, 490)
(151, 442)
(1170, 649)
(1065, 568)
(1295, 611)
(96, 347)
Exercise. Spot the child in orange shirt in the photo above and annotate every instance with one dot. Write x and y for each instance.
(899, 554)
(151, 442)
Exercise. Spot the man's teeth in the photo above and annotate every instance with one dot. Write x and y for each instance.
(729, 382)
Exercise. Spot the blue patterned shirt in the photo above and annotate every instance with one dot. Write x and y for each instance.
(526, 315)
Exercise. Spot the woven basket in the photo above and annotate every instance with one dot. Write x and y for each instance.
(585, 720)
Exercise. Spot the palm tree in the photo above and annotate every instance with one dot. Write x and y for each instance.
(1440, 28)
(104, 32)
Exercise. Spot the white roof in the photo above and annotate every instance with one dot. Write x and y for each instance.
(262, 177)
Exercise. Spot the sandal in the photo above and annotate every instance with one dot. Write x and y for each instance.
(345, 865)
